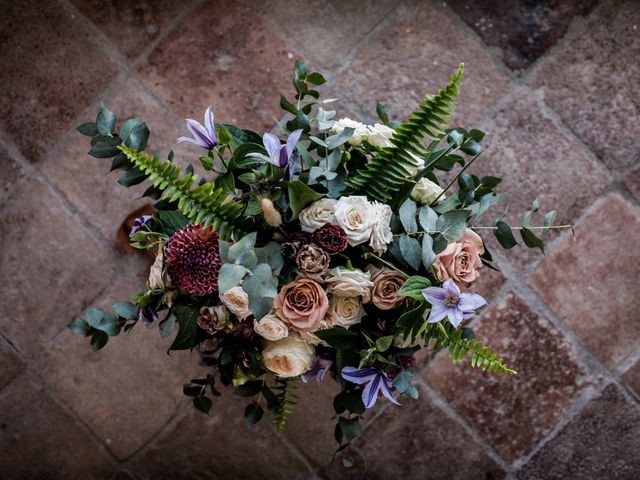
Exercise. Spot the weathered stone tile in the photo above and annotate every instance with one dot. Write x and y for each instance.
(131, 26)
(127, 391)
(235, 62)
(51, 69)
(592, 83)
(586, 280)
(535, 158)
(601, 442)
(11, 364)
(11, 173)
(86, 181)
(416, 55)
(40, 440)
(219, 446)
(326, 29)
(632, 181)
(512, 412)
(54, 268)
(522, 30)
(632, 376)
(418, 441)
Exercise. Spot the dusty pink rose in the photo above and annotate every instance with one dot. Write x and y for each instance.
(460, 261)
(386, 283)
(302, 304)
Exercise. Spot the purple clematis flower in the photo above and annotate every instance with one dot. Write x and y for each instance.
(280, 155)
(377, 381)
(450, 303)
(318, 370)
(203, 136)
(147, 315)
(138, 223)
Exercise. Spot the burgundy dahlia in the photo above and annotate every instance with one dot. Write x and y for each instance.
(330, 237)
(193, 259)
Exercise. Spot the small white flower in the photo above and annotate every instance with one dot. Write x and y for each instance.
(381, 234)
(356, 216)
(271, 327)
(344, 282)
(380, 135)
(345, 311)
(426, 191)
(361, 130)
(317, 214)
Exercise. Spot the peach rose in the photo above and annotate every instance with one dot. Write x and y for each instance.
(302, 304)
(386, 283)
(460, 261)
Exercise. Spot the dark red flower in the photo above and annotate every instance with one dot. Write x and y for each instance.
(331, 238)
(193, 259)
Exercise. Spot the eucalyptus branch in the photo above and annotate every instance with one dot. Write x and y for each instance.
(433, 232)
(455, 178)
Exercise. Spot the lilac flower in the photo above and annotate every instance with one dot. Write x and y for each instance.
(147, 315)
(318, 370)
(280, 155)
(138, 223)
(203, 136)
(450, 303)
(377, 381)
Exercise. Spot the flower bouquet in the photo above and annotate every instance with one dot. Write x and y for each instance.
(329, 252)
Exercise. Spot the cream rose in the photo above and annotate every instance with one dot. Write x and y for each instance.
(317, 214)
(379, 135)
(381, 233)
(356, 216)
(345, 311)
(344, 282)
(288, 357)
(425, 191)
(361, 130)
(386, 283)
(237, 301)
(271, 327)
(302, 304)
(419, 164)
(460, 261)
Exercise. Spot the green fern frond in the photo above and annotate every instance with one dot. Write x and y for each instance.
(385, 175)
(204, 204)
(447, 336)
(286, 395)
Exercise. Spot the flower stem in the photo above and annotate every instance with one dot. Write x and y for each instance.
(383, 261)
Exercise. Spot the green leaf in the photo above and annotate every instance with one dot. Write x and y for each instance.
(335, 141)
(242, 252)
(79, 326)
(549, 218)
(230, 276)
(134, 134)
(271, 254)
(413, 287)
(171, 221)
(226, 182)
(103, 321)
(531, 240)
(98, 340)
(106, 148)
(402, 382)
(224, 137)
(407, 214)
(89, 129)
(106, 121)
(452, 224)
(262, 287)
(504, 235)
(316, 78)
(427, 218)
(125, 310)
(381, 110)
(207, 162)
(167, 326)
(187, 318)
(202, 403)
(411, 251)
(132, 177)
(428, 255)
(351, 428)
(383, 343)
(338, 337)
(300, 196)
(253, 414)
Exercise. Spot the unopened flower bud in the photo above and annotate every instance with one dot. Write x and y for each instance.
(270, 213)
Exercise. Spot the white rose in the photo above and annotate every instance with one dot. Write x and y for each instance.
(288, 357)
(420, 164)
(344, 282)
(379, 135)
(381, 234)
(356, 216)
(271, 327)
(237, 301)
(317, 214)
(426, 191)
(345, 311)
(361, 130)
